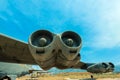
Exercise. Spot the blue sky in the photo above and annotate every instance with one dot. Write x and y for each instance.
(96, 21)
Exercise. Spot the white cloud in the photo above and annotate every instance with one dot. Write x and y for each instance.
(107, 26)
(101, 17)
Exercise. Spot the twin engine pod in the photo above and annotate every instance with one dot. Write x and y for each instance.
(101, 67)
(49, 49)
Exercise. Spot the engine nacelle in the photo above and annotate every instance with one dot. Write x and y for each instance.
(69, 44)
(42, 48)
(110, 67)
(101, 68)
(98, 68)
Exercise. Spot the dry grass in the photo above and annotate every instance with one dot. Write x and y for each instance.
(74, 75)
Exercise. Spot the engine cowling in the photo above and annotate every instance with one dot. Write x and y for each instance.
(101, 68)
(41, 45)
(110, 67)
(69, 44)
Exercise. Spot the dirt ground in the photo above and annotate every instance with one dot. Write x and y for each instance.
(67, 79)
(109, 79)
(73, 76)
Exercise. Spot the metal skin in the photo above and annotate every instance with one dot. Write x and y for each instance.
(101, 68)
(61, 51)
(48, 50)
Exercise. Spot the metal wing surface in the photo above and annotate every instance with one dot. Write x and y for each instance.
(15, 51)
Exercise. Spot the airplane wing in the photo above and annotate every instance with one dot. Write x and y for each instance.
(14, 51)
(80, 65)
(49, 50)
(102, 67)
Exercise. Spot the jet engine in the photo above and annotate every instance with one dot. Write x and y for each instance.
(110, 67)
(69, 44)
(101, 68)
(41, 45)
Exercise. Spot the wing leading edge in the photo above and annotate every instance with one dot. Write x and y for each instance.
(14, 51)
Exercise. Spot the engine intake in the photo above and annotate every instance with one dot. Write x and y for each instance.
(41, 45)
(110, 67)
(41, 38)
(69, 43)
(71, 39)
